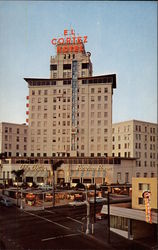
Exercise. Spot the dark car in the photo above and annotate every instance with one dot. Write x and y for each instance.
(6, 202)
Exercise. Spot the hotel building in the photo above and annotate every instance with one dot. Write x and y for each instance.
(137, 139)
(70, 114)
(13, 139)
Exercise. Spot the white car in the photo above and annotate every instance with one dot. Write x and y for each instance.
(46, 187)
(77, 203)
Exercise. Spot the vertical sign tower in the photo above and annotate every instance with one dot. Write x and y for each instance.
(74, 108)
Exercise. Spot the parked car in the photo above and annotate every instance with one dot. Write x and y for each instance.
(6, 202)
(77, 203)
(45, 187)
(98, 199)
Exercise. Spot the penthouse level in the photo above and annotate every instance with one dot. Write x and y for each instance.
(103, 79)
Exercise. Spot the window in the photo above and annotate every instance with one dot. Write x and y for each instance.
(38, 131)
(45, 92)
(99, 106)
(137, 174)
(85, 65)
(92, 114)
(145, 174)
(66, 66)
(83, 99)
(53, 67)
(99, 98)
(144, 186)
(99, 122)
(40, 179)
(92, 99)
(141, 201)
(92, 90)
(105, 90)
(105, 114)
(152, 175)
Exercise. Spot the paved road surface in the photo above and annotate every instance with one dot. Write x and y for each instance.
(59, 228)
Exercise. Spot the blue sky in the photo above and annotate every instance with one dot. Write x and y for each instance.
(122, 39)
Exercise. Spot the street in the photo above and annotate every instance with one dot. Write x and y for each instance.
(58, 228)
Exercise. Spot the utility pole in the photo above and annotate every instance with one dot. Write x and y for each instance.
(54, 167)
(94, 209)
(108, 232)
(88, 212)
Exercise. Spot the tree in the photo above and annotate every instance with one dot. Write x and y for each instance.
(54, 167)
(18, 174)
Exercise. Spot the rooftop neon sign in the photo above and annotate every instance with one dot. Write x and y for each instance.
(70, 42)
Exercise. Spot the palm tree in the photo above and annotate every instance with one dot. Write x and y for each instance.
(18, 174)
(54, 167)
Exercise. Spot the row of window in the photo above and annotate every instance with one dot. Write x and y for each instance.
(144, 164)
(138, 174)
(83, 99)
(10, 154)
(139, 128)
(138, 137)
(10, 146)
(67, 66)
(18, 139)
(137, 146)
(126, 145)
(69, 91)
(68, 107)
(95, 161)
(67, 74)
(18, 130)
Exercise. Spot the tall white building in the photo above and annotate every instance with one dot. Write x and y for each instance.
(70, 114)
(137, 139)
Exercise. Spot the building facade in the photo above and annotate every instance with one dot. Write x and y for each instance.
(74, 170)
(137, 139)
(70, 114)
(13, 139)
(140, 185)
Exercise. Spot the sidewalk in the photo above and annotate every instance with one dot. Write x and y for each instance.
(117, 241)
